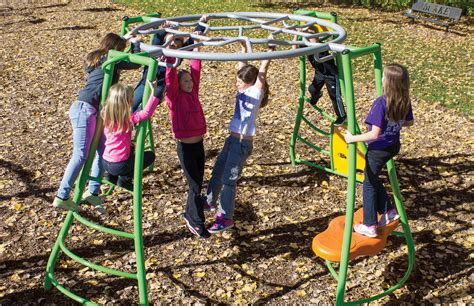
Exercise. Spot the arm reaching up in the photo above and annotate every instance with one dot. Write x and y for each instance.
(262, 72)
(150, 106)
(243, 50)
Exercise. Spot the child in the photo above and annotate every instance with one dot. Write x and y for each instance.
(387, 116)
(159, 39)
(83, 119)
(252, 95)
(119, 157)
(326, 73)
(189, 127)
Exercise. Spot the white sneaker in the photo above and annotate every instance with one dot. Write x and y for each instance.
(369, 231)
(94, 200)
(67, 204)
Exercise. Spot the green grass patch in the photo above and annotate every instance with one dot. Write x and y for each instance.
(439, 63)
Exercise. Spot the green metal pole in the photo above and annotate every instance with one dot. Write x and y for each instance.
(124, 27)
(299, 114)
(392, 174)
(81, 181)
(148, 127)
(340, 72)
(137, 194)
(358, 52)
(378, 70)
(55, 250)
(351, 182)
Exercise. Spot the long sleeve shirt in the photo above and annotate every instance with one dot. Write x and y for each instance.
(186, 114)
(92, 91)
(117, 145)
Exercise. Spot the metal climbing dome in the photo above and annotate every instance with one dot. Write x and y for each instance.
(338, 244)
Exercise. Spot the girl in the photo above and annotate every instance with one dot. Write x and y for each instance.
(83, 119)
(119, 158)
(252, 95)
(189, 127)
(387, 116)
(159, 39)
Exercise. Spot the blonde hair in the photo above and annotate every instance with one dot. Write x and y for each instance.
(110, 41)
(116, 113)
(396, 88)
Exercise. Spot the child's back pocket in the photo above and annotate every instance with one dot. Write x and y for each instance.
(81, 114)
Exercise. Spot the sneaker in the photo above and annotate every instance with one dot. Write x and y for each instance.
(369, 231)
(67, 204)
(197, 230)
(94, 200)
(221, 224)
(340, 121)
(389, 217)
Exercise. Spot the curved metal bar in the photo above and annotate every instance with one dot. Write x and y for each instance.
(256, 17)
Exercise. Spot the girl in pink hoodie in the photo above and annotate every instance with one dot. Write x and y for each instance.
(119, 154)
(189, 127)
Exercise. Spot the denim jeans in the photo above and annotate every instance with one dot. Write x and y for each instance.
(226, 172)
(83, 120)
(192, 158)
(375, 196)
(139, 90)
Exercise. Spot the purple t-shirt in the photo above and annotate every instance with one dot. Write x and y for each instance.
(390, 133)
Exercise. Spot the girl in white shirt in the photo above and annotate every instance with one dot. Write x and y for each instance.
(252, 95)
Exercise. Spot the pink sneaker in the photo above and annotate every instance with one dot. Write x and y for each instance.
(389, 217)
(369, 231)
(221, 224)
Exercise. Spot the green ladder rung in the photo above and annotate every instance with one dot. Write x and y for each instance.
(105, 182)
(102, 228)
(96, 266)
(69, 293)
(314, 127)
(307, 163)
(309, 144)
(321, 111)
(332, 270)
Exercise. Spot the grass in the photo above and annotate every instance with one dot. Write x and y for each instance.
(440, 64)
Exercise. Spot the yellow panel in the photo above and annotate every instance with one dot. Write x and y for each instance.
(340, 154)
(319, 28)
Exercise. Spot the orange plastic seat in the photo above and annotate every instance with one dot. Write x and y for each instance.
(328, 244)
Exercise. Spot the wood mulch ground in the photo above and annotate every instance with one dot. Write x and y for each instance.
(280, 208)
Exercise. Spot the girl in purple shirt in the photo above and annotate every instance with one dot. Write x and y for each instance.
(385, 120)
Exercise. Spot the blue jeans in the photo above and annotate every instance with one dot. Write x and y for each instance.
(226, 172)
(375, 196)
(83, 120)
